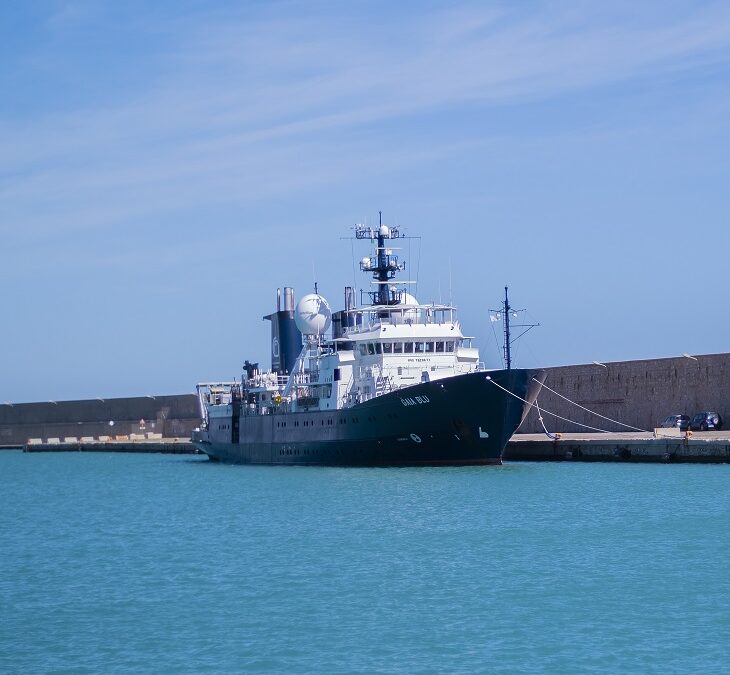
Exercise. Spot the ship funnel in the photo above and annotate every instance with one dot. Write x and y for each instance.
(286, 340)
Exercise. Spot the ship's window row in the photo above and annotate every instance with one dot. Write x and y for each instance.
(438, 347)
(342, 420)
(307, 423)
(355, 420)
(328, 452)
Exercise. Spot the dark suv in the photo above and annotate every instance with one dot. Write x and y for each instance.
(679, 421)
(703, 421)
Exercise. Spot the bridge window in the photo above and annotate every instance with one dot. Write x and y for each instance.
(450, 346)
(377, 348)
(439, 347)
(387, 347)
(429, 347)
(419, 347)
(397, 347)
(371, 348)
(408, 348)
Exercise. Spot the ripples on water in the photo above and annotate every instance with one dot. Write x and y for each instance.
(159, 563)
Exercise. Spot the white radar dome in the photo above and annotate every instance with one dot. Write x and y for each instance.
(313, 315)
(409, 315)
(384, 230)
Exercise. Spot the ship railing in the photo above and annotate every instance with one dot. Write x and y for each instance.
(257, 409)
(215, 393)
(306, 377)
(267, 381)
(369, 318)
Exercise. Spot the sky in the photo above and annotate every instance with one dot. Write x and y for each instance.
(165, 166)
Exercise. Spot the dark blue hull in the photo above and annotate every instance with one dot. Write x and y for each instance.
(461, 420)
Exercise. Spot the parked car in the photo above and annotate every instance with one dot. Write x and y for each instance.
(679, 421)
(703, 421)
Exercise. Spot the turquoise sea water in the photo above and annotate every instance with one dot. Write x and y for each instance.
(162, 563)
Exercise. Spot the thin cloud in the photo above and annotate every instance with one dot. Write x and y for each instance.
(255, 96)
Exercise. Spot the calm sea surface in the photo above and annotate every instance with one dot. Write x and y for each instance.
(163, 563)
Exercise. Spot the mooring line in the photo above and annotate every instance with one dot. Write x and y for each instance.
(532, 405)
(539, 416)
(593, 412)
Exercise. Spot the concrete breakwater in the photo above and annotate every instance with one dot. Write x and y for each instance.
(637, 393)
(122, 419)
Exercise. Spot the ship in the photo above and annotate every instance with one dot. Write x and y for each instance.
(386, 381)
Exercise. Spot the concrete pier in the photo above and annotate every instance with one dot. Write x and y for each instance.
(174, 446)
(708, 447)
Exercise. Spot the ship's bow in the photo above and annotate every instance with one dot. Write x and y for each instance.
(517, 390)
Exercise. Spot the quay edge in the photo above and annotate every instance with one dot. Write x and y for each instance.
(703, 448)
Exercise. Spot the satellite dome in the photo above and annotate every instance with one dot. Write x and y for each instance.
(313, 315)
(384, 230)
(409, 315)
(407, 299)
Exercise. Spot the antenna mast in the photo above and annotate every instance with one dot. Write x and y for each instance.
(506, 311)
(507, 353)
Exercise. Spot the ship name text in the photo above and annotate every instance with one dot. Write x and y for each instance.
(415, 400)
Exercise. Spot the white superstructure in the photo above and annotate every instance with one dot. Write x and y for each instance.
(373, 349)
(387, 348)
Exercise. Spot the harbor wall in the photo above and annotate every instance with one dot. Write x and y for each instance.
(637, 393)
(151, 416)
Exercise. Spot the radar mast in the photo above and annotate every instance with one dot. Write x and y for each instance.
(384, 264)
